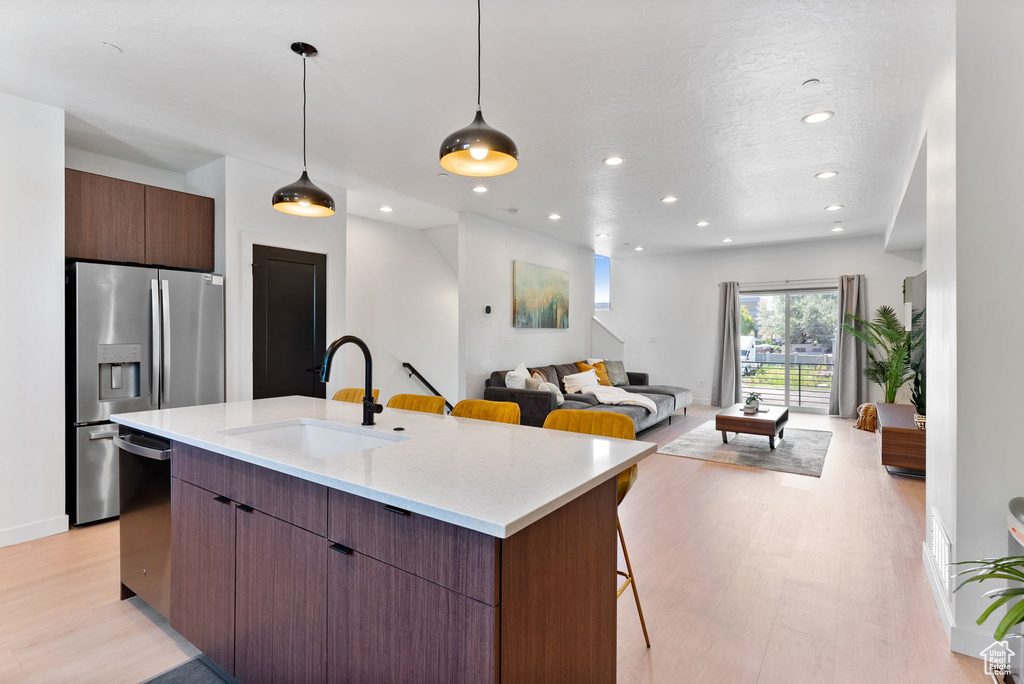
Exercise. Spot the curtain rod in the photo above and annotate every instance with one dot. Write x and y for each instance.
(798, 280)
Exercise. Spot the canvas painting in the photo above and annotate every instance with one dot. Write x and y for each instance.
(540, 296)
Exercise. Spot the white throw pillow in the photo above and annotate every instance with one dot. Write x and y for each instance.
(516, 379)
(553, 388)
(577, 382)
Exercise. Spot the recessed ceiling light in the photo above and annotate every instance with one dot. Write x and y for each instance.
(638, 249)
(702, 223)
(727, 240)
(387, 210)
(837, 229)
(818, 117)
(602, 235)
(826, 174)
(613, 161)
(669, 199)
(479, 188)
(834, 207)
(554, 217)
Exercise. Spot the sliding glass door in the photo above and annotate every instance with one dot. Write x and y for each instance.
(786, 347)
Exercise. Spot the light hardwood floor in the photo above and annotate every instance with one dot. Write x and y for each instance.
(745, 576)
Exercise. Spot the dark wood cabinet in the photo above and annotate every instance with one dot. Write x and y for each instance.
(280, 611)
(203, 571)
(104, 218)
(108, 219)
(179, 229)
(387, 625)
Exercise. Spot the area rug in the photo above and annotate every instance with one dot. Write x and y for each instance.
(800, 451)
(198, 670)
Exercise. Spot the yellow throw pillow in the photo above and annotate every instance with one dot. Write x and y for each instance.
(599, 368)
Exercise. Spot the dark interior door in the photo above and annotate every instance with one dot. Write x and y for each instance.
(289, 322)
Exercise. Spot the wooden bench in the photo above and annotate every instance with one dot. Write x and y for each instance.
(900, 443)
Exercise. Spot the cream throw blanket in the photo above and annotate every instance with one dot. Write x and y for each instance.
(617, 395)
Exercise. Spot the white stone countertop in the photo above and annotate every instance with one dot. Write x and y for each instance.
(489, 477)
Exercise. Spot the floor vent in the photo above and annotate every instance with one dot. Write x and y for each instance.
(941, 551)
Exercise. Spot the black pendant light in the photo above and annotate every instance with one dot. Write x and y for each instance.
(478, 149)
(303, 198)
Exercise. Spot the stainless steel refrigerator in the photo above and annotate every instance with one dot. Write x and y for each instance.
(137, 339)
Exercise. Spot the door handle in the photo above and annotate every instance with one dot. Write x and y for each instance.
(341, 549)
(395, 510)
(125, 442)
(244, 508)
(222, 499)
(165, 375)
(100, 434)
(154, 370)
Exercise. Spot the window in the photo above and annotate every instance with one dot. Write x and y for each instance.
(602, 283)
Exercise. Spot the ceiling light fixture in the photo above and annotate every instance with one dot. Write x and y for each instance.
(303, 198)
(834, 207)
(727, 240)
(701, 224)
(554, 217)
(387, 210)
(602, 235)
(818, 117)
(613, 161)
(837, 229)
(824, 175)
(638, 249)
(479, 188)
(669, 199)
(479, 150)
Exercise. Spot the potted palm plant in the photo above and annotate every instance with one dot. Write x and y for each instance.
(889, 346)
(1010, 568)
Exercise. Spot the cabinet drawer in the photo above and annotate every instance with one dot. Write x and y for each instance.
(292, 499)
(463, 560)
(202, 468)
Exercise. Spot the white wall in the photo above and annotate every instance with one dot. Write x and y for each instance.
(32, 343)
(403, 300)
(674, 298)
(244, 190)
(90, 162)
(489, 342)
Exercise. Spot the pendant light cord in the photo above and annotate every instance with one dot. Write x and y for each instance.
(478, 54)
(303, 112)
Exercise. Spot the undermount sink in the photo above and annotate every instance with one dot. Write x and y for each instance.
(314, 438)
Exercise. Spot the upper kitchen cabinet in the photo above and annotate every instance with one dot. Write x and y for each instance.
(179, 229)
(105, 218)
(108, 219)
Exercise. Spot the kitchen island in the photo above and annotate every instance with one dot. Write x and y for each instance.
(425, 548)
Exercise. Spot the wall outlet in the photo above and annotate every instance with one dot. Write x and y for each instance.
(702, 382)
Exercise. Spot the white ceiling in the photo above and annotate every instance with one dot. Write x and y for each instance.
(702, 99)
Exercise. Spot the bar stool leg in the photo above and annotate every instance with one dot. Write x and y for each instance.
(631, 581)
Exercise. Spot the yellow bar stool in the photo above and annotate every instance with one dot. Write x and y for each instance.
(423, 403)
(496, 411)
(617, 426)
(354, 395)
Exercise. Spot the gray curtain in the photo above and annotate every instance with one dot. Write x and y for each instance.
(849, 386)
(725, 388)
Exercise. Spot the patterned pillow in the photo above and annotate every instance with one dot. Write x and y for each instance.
(617, 373)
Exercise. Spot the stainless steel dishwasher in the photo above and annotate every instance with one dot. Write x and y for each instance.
(145, 493)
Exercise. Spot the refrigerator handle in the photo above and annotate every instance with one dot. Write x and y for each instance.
(154, 370)
(165, 375)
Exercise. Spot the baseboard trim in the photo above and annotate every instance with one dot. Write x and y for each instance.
(35, 530)
(938, 592)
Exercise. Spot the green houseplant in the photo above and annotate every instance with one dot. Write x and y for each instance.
(1010, 568)
(889, 346)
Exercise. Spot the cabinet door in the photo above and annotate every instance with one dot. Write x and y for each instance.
(105, 218)
(179, 229)
(203, 571)
(386, 625)
(280, 611)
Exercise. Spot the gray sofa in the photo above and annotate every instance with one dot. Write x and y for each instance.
(535, 405)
